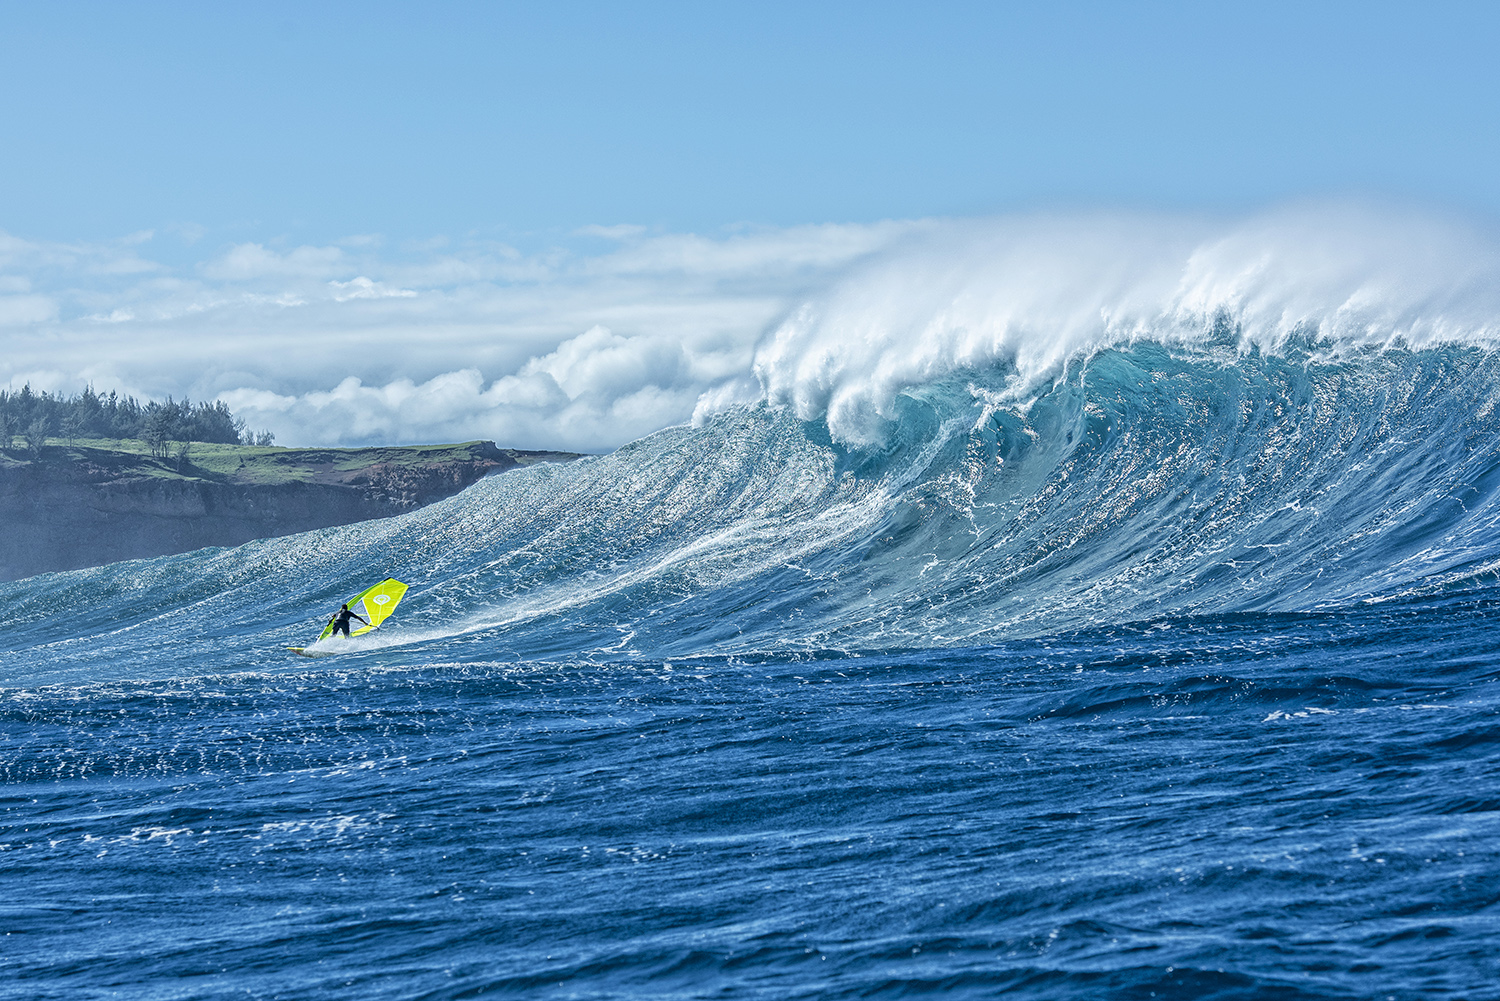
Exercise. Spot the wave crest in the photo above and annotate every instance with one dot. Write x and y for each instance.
(1034, 295)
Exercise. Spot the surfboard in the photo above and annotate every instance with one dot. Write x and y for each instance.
(374, 604)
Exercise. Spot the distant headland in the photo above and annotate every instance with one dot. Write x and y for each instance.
(70, 500)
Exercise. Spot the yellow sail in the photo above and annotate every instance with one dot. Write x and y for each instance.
(374, 605)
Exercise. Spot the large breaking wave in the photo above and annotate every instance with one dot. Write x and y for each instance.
(1010, 429)
(1034, 295)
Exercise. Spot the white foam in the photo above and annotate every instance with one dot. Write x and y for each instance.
(1033, 294)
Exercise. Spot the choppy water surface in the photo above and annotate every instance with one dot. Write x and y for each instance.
(1178, 680)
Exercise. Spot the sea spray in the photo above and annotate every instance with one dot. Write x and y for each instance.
(1037, 294)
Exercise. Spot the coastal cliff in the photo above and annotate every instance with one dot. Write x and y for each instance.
(92, 503)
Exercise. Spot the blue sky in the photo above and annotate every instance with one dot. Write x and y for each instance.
(261, 201)
(317, 121)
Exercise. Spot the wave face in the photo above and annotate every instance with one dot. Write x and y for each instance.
(1135, 643)
(1151, 480)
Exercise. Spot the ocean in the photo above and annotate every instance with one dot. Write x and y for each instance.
(1170, 675)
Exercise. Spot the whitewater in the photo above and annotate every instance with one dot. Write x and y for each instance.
(1060, 607)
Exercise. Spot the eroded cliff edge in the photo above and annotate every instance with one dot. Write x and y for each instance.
(88, 504)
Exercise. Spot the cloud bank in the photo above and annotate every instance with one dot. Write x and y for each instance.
(357, 343)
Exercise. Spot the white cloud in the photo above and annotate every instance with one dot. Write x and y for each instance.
(599, 363)
(621, 232)
(248, 261)
(84, 260)
(592, 393)
(357, 342)
(364, 288)
(753, 254)
(22, 310)
(189, 233)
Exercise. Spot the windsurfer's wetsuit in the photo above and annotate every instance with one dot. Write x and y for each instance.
(341, 622)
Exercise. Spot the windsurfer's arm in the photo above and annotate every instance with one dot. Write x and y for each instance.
(365, 621)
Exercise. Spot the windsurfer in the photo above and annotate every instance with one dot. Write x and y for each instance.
(341, 621)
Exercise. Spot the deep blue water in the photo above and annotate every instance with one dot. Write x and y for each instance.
(1179, 682)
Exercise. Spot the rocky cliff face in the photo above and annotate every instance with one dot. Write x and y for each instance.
(66, 512)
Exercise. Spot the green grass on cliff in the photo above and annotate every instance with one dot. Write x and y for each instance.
(263, 465)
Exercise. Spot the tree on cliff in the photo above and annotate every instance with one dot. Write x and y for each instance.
(37, 433)
(90, 415)
(161, 426)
